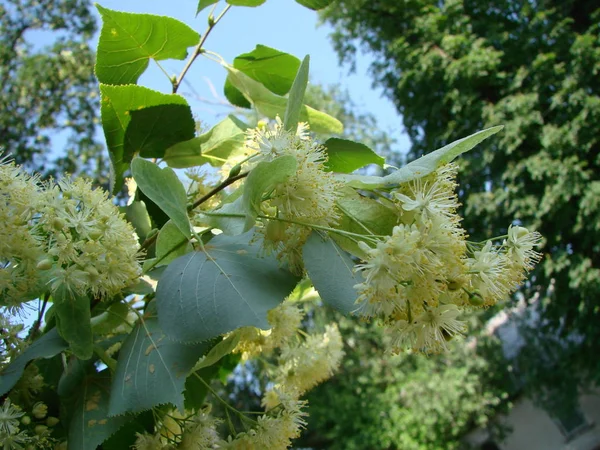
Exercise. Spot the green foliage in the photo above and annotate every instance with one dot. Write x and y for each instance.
(296, 97)
(151, 369)
(404, 402)
(50, 89)
(330, 270)
(90, 424)
(128, 42)
(47, 346)
(272, 105)
(454, 67)
(72, 312)
(347, 156)
(204, 294)
(262, 180)
(164, 188)
(117, 102)
(222, 141)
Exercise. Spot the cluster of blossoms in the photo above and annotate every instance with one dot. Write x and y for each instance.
(308, 196)
(302, 364)
(420, 279)
(63, 234)
(19, 430)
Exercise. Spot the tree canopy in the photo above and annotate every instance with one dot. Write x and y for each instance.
(453, 67)
(49, 97)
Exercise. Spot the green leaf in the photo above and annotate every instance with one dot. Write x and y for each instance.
(203, 295)
(296, 98)
(154, 129)
(272, 105)
(231, 226)
(422, 166)
(331, 271)
(171, 244)
(362, 215)
(276, 71)
(222, 348)
(315, 4)
(117, 102)
(224, 140)
(263, 179)
(73, 321)
(151, 369)
(128, 41)
(116, 315)
(234, 96)
(205, 4)
(137, 215)
(251, 3)
(273, 68)
(90, 425)
(164, 188)
(346, 156)
(47, 346)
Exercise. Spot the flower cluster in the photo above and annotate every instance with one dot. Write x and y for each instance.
(61, 235)
(419, 280)
(307, 197)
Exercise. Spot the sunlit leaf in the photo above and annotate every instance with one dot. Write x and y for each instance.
(171, 244)
(295, 102)
(128, 41)
(315, 4)
(73, 317)
(346, 156)
(224, 140)
(117, 102)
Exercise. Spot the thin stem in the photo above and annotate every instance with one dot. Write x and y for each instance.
(38, 323)
(217, 189)
(162, 69)
(198, 50)
(218, 397)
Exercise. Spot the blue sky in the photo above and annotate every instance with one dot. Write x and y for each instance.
(281, 24)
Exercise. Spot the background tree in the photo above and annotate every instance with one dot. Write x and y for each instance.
(456, 66)
(49, 94)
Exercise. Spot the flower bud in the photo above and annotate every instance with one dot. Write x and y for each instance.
(40, 429)
(39, 410)
(52, 421)
(25, 420)
(475, 298)
(45, 264)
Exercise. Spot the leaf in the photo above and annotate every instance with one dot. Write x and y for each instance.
(171, 244)
(47, 346)
(273, 68)
(164, 188)
(296, 98)
(128, 41)
(234, 96)
(117, 102)
(272, 105)
(224, 140)
(346, 156)
(251, 3)
(203, 295)
(202, 4)
(73, 321)
(137, 215)
(154, 129)
(222, 348)
(331, 271)
(231, 226)
(262, 179)
(90, 424)
(151, 369)
(362, 215)
(422, 166)
(315, 4)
